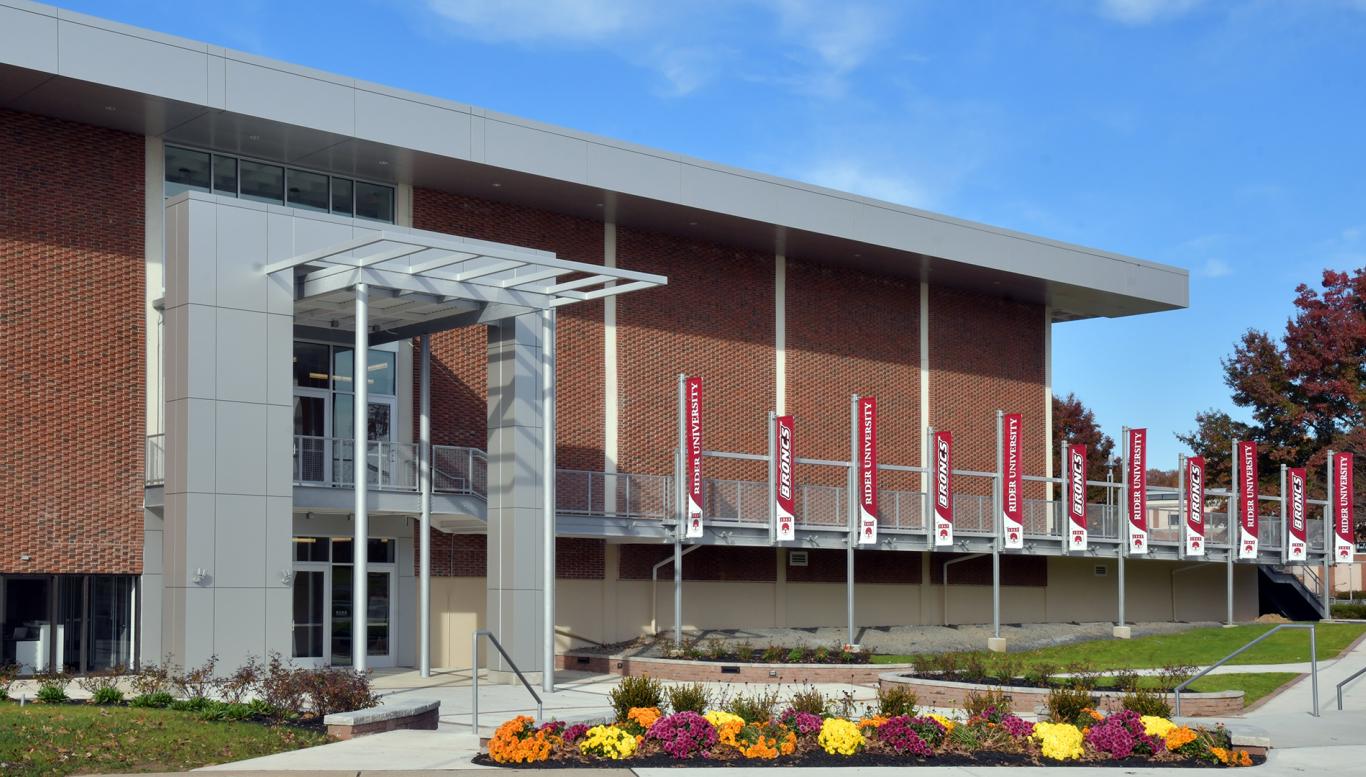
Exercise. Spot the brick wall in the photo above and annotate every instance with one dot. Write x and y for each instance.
(710, 562)
(835, 348)
(986, 354)
(72, 349)
(465, 555)
(459, 357)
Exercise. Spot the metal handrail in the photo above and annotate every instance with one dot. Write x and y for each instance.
(474, 677)
(1354, 676)
(1313, 664)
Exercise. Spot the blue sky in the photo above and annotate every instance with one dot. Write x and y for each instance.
(1224, 136)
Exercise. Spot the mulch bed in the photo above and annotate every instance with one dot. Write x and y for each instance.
(822, 759)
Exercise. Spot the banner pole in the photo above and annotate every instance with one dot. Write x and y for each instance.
(772, 478)
(928, 448)
(1184, 534)
(1125, 518)
(853, 514)
(1063, 516)
(1285, 526)
(682, 518)
(1232, 520)
(999, 524)
(1329, 535)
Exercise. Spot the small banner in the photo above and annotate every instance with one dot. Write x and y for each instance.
(1247, 495)
(784, 495)
(692, 388)
(1344, 546)
(1012, 484)
(1296, 519)
(1138, 491)
(1076, 497)
(1195, 506)
(943, 488)
(867, 470)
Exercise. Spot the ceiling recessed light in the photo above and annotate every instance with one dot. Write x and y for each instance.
(496, 184)
(383, 163)
(692, 223)
(858, 256)
(110, 108)
(253, 137)
(599, 205)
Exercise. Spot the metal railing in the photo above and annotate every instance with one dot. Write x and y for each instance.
(1343, 684)
(330, 461)
(474, 678)
(613, 495)
(154, 460)
(459, 470)
(1313, 665)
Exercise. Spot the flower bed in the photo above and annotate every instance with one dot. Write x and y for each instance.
(646, 737)
(937, 692)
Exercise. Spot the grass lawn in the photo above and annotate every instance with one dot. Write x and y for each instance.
(1197, 647)
(39, 739)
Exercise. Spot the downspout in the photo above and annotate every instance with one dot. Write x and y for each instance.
(654, 580)
(948, 564)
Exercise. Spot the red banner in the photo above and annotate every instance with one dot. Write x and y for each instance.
(692, 389)
(1195, 506)
(1138, 491)
(1296, 519)
(943, 488)
(1012, 482)
(867, 470)
(1247, 495)
(1075, 477)
(784, 492)
(1344, 547)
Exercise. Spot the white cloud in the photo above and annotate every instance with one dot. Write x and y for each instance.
(853, 176)
(1139, 12)
(1215, 268)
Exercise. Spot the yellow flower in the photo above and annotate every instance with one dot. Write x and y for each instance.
(1154, 726)
(1220, 753)
(943, 721)
(840, 737)
(1059, 741)
(608, 742)
(717, 717)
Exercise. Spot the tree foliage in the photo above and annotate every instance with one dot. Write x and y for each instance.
(1306, 390)
(1074, 423)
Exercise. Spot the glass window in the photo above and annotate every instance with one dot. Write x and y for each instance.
(343, 194)
(310, 365)
(374, 202)
(263, 183)
(380, 551)
(381, 372)
(111, 622)
(224, 175)
(308, 190)
(341, 551)
(341, 368)
(186, 170)
(310, 548)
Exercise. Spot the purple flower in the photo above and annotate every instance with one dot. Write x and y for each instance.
(1122, 735)
(575, 732)
(1016, 726)
(683, 734)
(804, 723)
(928, 729)
(553, 727)
(901, 736)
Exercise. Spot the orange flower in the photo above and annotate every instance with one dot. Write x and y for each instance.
(644, 716)
(726, 732)
(516, 742)
(789, 744)
(1244, 759)
(1220, 753)
(876, 721)
(1180, 737)
(763, 748)
(1096, 716)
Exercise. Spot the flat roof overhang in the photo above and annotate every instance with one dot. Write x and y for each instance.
(78, 67)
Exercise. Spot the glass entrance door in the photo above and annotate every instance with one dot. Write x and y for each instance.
(324, 623)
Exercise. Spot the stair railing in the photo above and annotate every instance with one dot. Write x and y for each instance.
(1313, 664)
(474, 678)
(1342, 684)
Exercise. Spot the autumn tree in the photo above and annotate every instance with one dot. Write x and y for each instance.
(1074, 423)
(1306, 390)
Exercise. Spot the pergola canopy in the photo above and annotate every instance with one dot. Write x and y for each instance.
(420, 283)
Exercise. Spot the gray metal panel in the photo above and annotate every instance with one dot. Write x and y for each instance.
(28, 39)
(411, 124)
(289, 97)
(133, 62)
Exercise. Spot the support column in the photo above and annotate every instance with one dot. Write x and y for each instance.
(548, 496)
(853, 507)
(424, 452)
(995, 643)
(516, 582)
(360, 470)
(1232, 507)
(1122, 631)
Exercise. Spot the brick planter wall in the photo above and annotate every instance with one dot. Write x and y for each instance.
(943, 693)
(714, 671)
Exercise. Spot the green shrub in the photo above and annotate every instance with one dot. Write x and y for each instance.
(974, 668)
(1147, 702)
(773, 654)
(52, 690)
(688, 698)
(196, 704)
(282, 686)
(1006, 668)
(8, 673)
(158, 700)
(716, 649)
(975, 703)
(809, 700)
(821, 655)
(1350, 611)
(1173, 675)
(196, 682)
(333, 689)
(1067, 705)
(95, 682)
(107, 696)
(757, 708)
(1126, 680)
(150, 680)
(242, 683)
(641, 691)
(222, 710)
(796, 655)
(896, 699)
